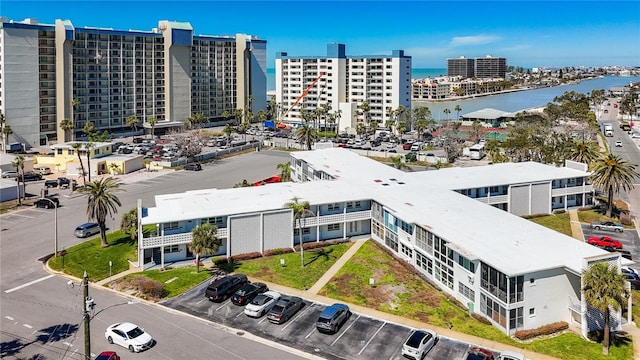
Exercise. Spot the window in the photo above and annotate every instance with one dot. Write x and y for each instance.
(391, 240)
(171, 249)
(218, 220)
(532, 312)
(424, 263)
(466, 263)
(171, 225)
(516, 318)
(332, 207)
(493, 310)
(466, 291)
(408, 228)
(406, 251)
(515, 289)
(378, 229)
(424, 240)
(333, 227)
(305, 231)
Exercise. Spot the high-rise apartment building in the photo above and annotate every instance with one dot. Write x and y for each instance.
(344, 82)
(461, 67)
(53, 72)
(491, 67)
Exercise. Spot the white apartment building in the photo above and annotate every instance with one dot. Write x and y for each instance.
(344, 82)
(459, 227)
(167, 73)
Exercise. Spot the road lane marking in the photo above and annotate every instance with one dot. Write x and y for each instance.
(28, 284)
(27, 326)
(374, 335)
(8, 318)
(345, 330)
(68, 344)
(298, 315)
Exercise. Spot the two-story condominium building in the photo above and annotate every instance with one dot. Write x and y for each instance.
(168, 73)
(344, 82)
(517, 274)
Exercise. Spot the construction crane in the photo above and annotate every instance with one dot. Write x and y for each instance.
(304, 93)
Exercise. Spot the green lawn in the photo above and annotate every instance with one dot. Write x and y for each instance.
(317, 262)
(176, 280)
(398, 291)
(90, 256)
(557, 222)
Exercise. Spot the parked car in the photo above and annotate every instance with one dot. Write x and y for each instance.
(46, 204)
(51, 183)
(511, 355)
(249, 291)
(29, 176)
(262, 303)
(607, 225)
(107, 355)
(223, 288)
(129, 336)
(619, 143)
(406, 146)
(64, 182)
(633, 280)
(86, 230)
(193, 167)
(284, 309)
(419, 343)
(42, 170)
(138, 140)
(624, 253)
(332, 318)
(478, 353)
(9, 174)
(604, 241)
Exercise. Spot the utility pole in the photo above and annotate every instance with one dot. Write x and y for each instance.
(87, 305)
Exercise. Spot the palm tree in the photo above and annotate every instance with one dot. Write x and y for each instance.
(18, 163)
(132, 122)
(6, 131)
(446, 112)
(129, 224)
(611, 174)
(457, 109)
(204, 241)
(397, 163)
(76, 147)
(307, 134)
(604, 289)
(87, 147)
(237, 115)
(152, 122)
(365, 112)
(300, 211)
(196, 120)
(228, 130)
(74, 105)
(285, 171)
(101, 201)
(67, 126)
(584, 152)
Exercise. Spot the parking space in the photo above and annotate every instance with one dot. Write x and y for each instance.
(629, 239)
(361, 337)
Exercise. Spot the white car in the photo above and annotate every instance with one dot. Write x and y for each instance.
(128, 336)
(618, 143)
(419, 343)
(262, 303)
(510, 355)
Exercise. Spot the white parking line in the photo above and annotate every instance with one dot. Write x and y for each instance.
(241, 313)
(298, 315)
(309, 334)
(263, 319)
(28, 284)
(8, 318)
(27, 326)
(223, 305)
(25, 216)
(200, 302)
(345, 330)
(374, 335)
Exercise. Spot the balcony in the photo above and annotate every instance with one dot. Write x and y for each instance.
(175, 239)
(571, 190)
(336, 218)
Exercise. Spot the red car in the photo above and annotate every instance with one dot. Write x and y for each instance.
(406, 146)
(478, 353)
(108, 355)
(604, 241)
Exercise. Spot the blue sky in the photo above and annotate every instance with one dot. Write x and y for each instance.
(528, 34)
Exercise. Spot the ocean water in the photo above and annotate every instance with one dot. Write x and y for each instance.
(415, 74)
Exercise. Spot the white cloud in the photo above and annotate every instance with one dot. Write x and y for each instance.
(518, 47)
(473, 40)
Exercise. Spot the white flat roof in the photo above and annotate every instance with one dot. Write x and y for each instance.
(475, 230)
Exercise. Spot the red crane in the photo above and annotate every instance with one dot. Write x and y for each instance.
(304, 93)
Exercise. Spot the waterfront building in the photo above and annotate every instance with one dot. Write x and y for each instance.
(517, 274)
(344, 82)
(461, 67)
(167, 73)
(491, 67)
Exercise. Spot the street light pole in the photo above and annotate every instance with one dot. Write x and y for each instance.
(86, 317)
(55, 226)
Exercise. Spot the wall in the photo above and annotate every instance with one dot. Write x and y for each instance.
(549, 296)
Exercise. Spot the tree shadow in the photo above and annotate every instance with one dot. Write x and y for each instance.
(53, 333)
(11, 348)
(322, 253)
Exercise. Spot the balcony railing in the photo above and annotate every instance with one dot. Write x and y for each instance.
(575, 305)
(175, 239)
(336, 218)
(571, 190)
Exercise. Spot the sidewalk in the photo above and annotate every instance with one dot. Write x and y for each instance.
(576, 227)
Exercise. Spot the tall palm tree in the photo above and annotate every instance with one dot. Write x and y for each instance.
(300, 212)
(204, 241)
(6, 131)
(365, 112)
(76, 148)
(307, 134)
(446, 112)
(285, 171)
(604, 289)
(102, 202)
(18, 163)
(87, 147)
(132, 122)
(67, 126)
(584, 152)
(611, 174)
(152, 122)
(457, 109)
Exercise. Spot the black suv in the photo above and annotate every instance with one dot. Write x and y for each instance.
(222, 288)
(193, 167)
(246, 293)
(46, 204)
(29, 176)
(51, 183)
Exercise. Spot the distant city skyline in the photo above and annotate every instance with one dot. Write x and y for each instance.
(527, 34)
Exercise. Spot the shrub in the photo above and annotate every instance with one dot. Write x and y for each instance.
(559, 211)
(585, 208)
(278, 251)
(246, 256)
(596, 336)
(533, 216)
(543, 330)
(149, 288)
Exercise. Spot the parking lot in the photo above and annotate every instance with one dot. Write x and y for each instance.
(629, 239)
(361, 337)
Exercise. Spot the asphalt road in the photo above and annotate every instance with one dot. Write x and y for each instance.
(41, 315)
